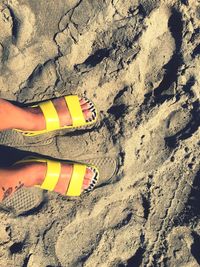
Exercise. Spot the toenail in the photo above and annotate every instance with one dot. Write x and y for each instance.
(91, 104)
(87, 101)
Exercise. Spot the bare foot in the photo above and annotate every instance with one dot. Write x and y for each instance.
(63, 113)
(32, 119)
(30, 174)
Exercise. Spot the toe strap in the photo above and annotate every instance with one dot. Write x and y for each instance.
(50, 114)
(76, 182)
(75, 110)
(52, 175)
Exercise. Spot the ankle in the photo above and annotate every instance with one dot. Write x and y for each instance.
(28, 121)
(31, 173)
(38, 122)
(33, 121)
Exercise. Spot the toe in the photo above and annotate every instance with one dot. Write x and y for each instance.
(86, 106)
(86, 183)
(90, 114)
(83, 100)
(87, 115)
(88, 174)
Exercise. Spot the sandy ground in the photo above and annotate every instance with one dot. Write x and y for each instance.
(139, 62)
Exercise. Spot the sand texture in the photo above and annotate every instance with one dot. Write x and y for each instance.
(139, 61)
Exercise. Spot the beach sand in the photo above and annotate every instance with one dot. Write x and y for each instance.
(139, 61)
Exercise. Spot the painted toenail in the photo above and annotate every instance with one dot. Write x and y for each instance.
(87, 100)
(91, 104)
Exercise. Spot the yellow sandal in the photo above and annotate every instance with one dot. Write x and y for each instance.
(52, 119)
(53, 174)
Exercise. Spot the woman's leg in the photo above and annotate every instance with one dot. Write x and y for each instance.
(30, 174)
(32, 118)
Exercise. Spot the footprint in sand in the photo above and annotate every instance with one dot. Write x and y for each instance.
(22, 54)
(16, 30)
(181, 241)
(23, 23)
(94, 241)
(149, 66)
(6, 28)
(6, 23)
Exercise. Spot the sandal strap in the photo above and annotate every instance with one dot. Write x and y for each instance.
(50, 114)
(75, 110)
(76, 182)
(52, 175)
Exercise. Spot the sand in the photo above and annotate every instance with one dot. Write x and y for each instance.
(139, 62)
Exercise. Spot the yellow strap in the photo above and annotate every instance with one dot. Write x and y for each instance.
(52, 175)
(75, 110)
(76, 181)
(51, 115)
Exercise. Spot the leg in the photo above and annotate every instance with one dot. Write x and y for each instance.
(14, 117)
(30, 174)
(32, 118)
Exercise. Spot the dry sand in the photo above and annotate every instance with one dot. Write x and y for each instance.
(140, 63)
